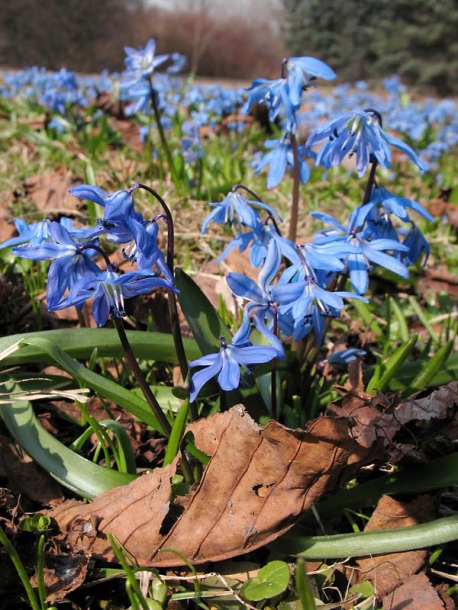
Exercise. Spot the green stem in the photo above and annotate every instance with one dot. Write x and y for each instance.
(40, 570)
(19, 566)
(273, 375)
(363, 544)
(148, 394)
(130, 572)
(296, 184)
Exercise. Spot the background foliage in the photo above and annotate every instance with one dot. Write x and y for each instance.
(415, 39)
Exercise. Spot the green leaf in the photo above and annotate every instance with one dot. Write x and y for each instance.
(408, 371)
(176, 435)
(392, 366)
(111, 390)
(272, 580)
(453, 197)
(125, 451)
(440, 473)
(431, 368)
(203, 319)
(71, 470)
(364, 544)
(365, 588)
(37, 524)
(303, 588)
(79, 343)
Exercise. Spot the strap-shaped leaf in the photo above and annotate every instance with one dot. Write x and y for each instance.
(203, 319)
(70, 469)
(79, 343)
(111, 390)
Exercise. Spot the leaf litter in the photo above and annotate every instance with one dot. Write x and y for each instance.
(257, 484)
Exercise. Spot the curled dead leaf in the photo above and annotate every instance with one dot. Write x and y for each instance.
(416, 592)
(388, 572)
(379, 419)
(258, 482)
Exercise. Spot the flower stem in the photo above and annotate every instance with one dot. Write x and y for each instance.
(172, 302)
(164, 143)
(135, 368)
(370, 182)
(273, 374)
(19, 566)
(296, 183)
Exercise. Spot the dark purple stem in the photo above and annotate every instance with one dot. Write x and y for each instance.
(132, 361)
(172, 302)
(370, 182)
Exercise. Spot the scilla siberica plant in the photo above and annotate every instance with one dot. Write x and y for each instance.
(300, 287)
(310, 276)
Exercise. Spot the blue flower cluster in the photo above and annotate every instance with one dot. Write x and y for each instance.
(74, 277)
(297, 287)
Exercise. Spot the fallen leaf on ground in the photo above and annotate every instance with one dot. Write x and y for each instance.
(417, 592)
(257, 484)
(62, 574)
(49, 191)
(380, 418)
(25, 476)
(439, 279)
(387, 572)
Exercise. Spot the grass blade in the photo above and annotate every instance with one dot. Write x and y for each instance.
(392, 366)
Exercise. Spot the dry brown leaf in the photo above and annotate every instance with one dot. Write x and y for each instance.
(255, 487)
(130, 134)
(49, 192)
(380, 418)
(388, 572)
(25, 476)
(417, 592)
(62, 574)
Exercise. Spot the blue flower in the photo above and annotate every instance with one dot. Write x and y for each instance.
(236, 208)
(360, 262)
(417, 246)
(285, 93)
(34, 233)
(397, 205)
(309, 305)
(280, 157)
(357, 133)
(120, 219)
(71, 260)
(272, 93)
(149, 255)
(140, 97)
(258, 240)
(344, 356)
(109, 289)
(141, 63)
(260, 302)
(226, 364)
(179, 62)
(301, 72)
